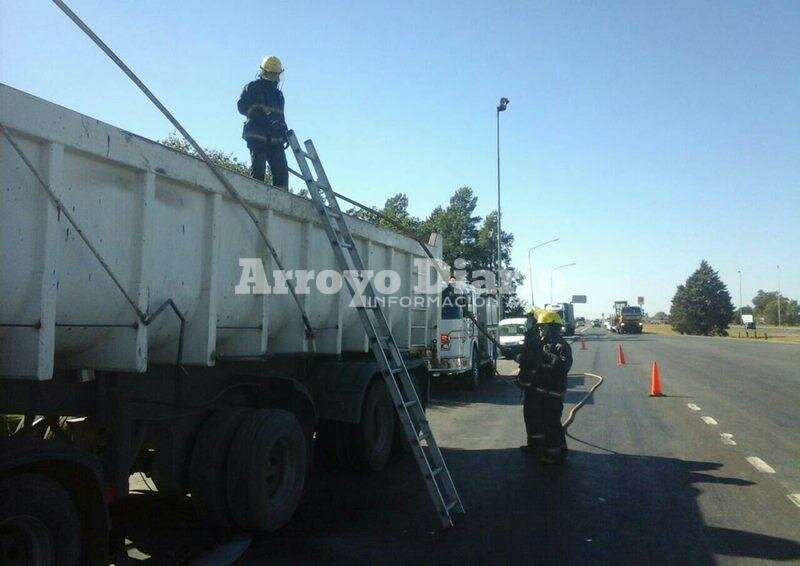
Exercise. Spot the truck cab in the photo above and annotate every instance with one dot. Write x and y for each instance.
(460, 348)
(630, 320)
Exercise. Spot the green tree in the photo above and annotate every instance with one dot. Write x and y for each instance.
(485, 257)
(225, 160)
(396, 208)
(702, 305)
(762, 299)
(789, 312)
(458, 227)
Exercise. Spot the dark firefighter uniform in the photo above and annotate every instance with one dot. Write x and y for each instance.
(544, 397)
(528, 380)
(265, 129)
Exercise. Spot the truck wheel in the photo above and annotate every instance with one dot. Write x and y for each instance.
(208, 477)
(473, 377)
(39, 522)
(374, 435)
(266, 470)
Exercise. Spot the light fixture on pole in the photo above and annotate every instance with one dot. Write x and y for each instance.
(551, 277)
(530, 265)
(500, 108)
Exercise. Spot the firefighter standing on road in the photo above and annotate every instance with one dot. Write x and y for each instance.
(528, 377)
(265, 129)
(544, 397)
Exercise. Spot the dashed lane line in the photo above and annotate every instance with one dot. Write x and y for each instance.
(710, 421)
(693, 407)
(760, 465)
(727, 438)
(794, 498)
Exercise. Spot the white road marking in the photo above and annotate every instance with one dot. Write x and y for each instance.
(692, 406)
(727, 438)
(794, 498)
(760, 465)
(710, 420)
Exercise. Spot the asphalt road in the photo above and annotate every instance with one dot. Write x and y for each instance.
(648, 479)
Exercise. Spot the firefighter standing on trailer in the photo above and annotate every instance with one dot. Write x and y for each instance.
(265, 129)
(544, 396)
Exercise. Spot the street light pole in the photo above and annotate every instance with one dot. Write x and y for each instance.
(530, 265)
(779, 295)
(500, 108)
(551, 277)
(741, 316)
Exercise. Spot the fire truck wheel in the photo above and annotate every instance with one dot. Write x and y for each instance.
(473, 376)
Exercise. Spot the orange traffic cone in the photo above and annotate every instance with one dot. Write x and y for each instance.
(655, 382)
(583, 344)
(620, 356)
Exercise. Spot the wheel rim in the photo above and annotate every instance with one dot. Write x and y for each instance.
(279, 465)
(25, 540)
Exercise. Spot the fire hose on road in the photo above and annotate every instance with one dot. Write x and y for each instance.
(581, 403)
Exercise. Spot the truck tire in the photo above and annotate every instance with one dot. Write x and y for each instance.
(473, 376)
(39, 523)
(266, 470)
(374, 435)
(208, 478)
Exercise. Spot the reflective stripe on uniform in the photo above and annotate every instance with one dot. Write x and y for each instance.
(559, 394)
(267, 109)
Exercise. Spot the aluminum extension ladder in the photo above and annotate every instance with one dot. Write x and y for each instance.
(382, 343)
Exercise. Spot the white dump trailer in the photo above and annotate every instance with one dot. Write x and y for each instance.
(204, 386)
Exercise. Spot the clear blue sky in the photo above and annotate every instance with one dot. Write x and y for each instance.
(647, 136)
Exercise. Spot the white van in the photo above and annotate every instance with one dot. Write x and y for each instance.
(512, 336)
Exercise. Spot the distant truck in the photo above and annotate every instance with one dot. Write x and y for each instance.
(627, 319)
(567, 313)
(462, 349)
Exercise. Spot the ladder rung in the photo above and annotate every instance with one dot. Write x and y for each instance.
(418, 326)
(436, 472)
(450, 505)
(411, 403)
(344, 245)
(333, 213)
(394, 371)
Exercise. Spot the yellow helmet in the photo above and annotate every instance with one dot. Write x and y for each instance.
(548, 317)
(271, 65)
